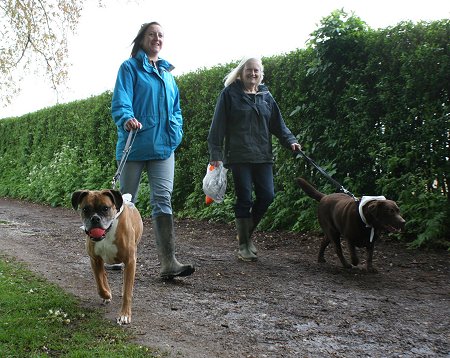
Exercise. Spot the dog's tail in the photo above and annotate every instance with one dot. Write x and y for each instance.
(309, 189)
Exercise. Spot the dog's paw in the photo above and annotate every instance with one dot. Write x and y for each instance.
(106, 301)
(123, 319)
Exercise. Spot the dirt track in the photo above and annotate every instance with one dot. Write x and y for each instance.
(285, 305)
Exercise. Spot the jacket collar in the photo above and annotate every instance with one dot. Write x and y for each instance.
(141, 56)
(239, 85)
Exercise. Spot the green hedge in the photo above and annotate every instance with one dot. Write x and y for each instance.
(370, 107)
(48, 154)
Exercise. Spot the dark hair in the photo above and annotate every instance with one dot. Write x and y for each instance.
(140, 35)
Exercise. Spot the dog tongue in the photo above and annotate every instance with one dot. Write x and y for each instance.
(97, 232)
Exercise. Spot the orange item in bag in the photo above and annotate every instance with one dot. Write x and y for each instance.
(209, 200)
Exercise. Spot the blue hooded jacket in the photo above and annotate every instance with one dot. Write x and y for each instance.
(152, 98)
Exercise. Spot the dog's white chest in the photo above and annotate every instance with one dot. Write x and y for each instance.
(106, 248)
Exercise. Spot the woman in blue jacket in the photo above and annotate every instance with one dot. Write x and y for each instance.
(245, 118)
(146, 99)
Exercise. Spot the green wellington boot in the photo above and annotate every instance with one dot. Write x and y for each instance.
(243, 227)
(255, 223)
(165, 244)
(251, 246)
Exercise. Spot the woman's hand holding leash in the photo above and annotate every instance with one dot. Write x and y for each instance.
(296, 147)
(132, 123)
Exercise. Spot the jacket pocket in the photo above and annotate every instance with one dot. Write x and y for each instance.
(175, 131)
(148, 121)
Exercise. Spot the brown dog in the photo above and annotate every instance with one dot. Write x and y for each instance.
(114, 229)
(360, 222)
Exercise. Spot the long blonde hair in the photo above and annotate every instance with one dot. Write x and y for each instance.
(236, 73)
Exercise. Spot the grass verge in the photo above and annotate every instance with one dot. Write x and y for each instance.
(38, 319)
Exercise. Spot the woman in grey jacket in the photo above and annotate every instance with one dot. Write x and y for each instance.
(245, 118)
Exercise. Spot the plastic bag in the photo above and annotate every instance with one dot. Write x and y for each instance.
(215, 182)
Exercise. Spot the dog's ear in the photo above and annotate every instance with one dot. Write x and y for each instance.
(77, 196)
(371, 211)
(116, 197)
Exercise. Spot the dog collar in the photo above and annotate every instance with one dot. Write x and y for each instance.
(118, 214)
(126, 201)
(364, 201)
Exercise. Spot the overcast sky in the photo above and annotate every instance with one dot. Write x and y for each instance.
(199, 34)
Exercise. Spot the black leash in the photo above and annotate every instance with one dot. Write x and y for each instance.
(125, 154)
(325, 174)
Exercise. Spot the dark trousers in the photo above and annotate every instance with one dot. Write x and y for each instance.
(248, 178)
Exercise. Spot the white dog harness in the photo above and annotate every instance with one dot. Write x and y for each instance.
(364, 201)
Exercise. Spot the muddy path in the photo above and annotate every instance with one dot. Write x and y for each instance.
(284, 305)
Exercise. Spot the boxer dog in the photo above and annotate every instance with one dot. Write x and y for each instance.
(114, 228)
(360, 222)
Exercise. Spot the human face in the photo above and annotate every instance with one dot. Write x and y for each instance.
(251, 75)
(152, 41)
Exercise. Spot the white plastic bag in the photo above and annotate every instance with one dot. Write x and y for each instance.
(215, 182)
